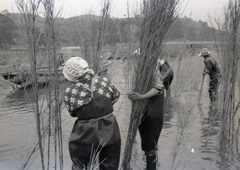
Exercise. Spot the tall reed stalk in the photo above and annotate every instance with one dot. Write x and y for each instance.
(54, 98)
(229, 52)
(129, 63)
(156, 20)
(92, 37)
(29, 12)
(51, 123)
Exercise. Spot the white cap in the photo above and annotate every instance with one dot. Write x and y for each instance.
(137, 51)
(161, 62)
(74, 68)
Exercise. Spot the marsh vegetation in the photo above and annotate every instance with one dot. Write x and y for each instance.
(192, 133)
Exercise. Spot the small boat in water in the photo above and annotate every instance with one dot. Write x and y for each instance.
(22, 79)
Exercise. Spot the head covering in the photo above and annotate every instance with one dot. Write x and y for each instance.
(74, 68)
(161, 62)
(137, 52)
(204, 52)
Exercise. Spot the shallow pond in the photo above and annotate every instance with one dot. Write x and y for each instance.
(189, 139)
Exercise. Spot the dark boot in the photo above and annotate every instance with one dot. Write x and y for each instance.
(151, 160)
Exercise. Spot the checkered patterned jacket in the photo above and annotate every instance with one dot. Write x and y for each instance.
(79, 94)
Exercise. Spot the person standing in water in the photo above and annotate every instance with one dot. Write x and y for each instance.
(152, 121)
(90, 99)
(213, 70)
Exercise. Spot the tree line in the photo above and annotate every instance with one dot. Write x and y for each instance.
(117, 30)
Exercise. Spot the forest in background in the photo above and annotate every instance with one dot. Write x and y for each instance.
(117, 30)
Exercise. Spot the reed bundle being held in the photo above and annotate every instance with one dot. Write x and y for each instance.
(157, 16)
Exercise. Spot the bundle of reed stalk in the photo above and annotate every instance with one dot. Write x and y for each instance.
(157, 16)
(227, 44)
(229, 56)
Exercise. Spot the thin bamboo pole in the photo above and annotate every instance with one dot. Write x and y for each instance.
(200, 92)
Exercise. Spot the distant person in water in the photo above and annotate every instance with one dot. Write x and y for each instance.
(60, 59)
(167, 75)
(213, 70)
(90, 99)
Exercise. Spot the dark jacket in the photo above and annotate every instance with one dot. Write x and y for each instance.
(165, 70)
(211, 67)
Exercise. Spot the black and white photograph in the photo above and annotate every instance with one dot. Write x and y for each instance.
(119, 84)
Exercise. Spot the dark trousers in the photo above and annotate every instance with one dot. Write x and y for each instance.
(108, 158)
(213, 87)
(150, 130)
(95, 142)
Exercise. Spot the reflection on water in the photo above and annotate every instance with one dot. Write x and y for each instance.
(200, 146)
(18, 129)
(210, 135)
(168, 115)
(15, 114)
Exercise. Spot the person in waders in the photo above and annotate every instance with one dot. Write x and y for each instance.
(167, 75)
(90, 99)
(152, 121)
(213, 70)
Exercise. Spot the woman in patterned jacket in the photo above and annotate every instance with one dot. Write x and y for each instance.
(90, 99)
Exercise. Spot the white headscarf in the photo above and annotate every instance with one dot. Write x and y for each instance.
(74, 68)
(161, 62)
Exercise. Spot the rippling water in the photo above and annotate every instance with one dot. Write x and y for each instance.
(199, 143)
(18, 130)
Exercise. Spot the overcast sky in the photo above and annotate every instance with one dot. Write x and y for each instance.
(196, 9)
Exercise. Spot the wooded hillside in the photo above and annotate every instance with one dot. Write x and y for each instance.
(117, 31)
